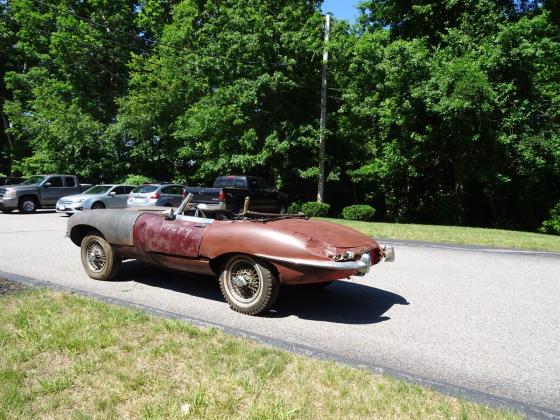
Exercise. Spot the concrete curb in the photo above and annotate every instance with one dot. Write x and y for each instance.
(530, 411)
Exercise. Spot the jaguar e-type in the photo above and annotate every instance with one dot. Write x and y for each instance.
(252, 253)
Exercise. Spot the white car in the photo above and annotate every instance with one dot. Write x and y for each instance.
(111, 196)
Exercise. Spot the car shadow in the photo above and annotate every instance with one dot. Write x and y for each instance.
(341, 302)
(40, 211)
(151, 275)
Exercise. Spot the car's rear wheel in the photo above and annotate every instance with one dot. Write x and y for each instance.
(249, 285)
(97, 205)
(27, 205)
(98, 258)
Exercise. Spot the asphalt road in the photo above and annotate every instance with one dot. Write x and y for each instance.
(480, 320)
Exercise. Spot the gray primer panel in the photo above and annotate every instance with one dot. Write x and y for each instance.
(116, 225)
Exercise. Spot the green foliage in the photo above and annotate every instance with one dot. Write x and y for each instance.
(361, 212)
(294, 208)
(438, 111)
(136, 179)
(552, 225)
(315, 209)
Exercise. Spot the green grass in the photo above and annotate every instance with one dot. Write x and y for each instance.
(65, 356)
(457, 235)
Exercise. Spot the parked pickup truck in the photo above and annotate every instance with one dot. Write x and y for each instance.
(38, 191)
(229, 193)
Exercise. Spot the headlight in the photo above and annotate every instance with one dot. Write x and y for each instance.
(10, 194)
(79, 201)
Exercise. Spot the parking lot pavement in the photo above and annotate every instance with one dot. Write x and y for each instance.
(485, 321)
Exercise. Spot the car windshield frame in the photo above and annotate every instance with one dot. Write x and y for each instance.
(103, 189)
(36, 179)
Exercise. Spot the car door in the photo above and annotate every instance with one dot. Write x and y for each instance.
(256, 193)
(52, 189)
(118, 199)
(179, 237)
(269, 194)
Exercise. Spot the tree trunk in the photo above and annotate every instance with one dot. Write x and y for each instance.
(5, 127)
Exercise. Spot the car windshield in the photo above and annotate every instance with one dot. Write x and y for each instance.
(34, 180)
(98, 189)
(144, 189)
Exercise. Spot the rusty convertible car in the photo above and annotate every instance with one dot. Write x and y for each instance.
(252, 253)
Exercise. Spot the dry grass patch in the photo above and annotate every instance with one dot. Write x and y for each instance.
(71, 357)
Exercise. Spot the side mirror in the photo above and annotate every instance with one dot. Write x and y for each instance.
(47, 184)
(112, 193)
(169, 215)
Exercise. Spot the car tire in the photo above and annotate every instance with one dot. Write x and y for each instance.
(98, 258)
(249, 285)
(28, 205)
(283, 208)
(97, 205)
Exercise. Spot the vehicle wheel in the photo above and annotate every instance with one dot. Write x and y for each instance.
(98, 258)
(249, 285)
(282, 208)
(27, 205)
(97, 205)
(6, 211)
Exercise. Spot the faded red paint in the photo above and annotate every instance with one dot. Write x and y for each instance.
(190, 246)
(153, 233)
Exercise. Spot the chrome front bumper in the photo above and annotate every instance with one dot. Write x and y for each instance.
(388, 253)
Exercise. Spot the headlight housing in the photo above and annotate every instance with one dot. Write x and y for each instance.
(10, 194)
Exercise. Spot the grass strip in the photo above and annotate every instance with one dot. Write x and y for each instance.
(65, 356)
(457, 235)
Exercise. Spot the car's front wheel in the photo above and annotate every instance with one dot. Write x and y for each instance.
(27, 205)
(97, 205)
(98, 258)
(249, 285)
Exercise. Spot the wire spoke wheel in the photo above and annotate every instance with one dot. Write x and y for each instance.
(249, 285)
(244, 281)
(96, 257)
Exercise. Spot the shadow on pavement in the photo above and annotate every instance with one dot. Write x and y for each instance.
(40, 211)
(342, 302)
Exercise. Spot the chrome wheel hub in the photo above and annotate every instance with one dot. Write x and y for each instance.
(96, 257)
(244, 281)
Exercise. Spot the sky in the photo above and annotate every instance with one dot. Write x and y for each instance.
(341, 9)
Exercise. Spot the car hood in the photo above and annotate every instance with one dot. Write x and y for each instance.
(77, 197)
(331, 233)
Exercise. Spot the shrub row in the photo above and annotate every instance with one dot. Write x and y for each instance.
(361, 212)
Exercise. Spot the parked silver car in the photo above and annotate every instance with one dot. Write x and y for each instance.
(112, 196)
(166, 195)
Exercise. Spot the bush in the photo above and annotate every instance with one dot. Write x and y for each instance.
(294, 208)
(315, 209)
(361, 212)
(552, 225)
(136, 180)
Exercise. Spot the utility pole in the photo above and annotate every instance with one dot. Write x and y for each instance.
(323, 120)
